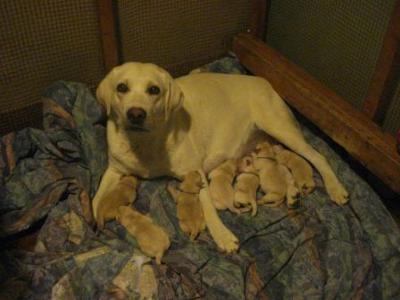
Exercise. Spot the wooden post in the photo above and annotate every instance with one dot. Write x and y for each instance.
(387, 70)
(347, 126)
(108, 34)
(257, 22)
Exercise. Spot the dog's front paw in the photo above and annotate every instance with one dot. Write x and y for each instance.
(225, 240)
(337, 192)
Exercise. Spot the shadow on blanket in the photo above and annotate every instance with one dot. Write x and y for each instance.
(317, 250)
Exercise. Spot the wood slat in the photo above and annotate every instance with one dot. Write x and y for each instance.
(108, 34)
(384, 79)
(347, 126)
(257, 24)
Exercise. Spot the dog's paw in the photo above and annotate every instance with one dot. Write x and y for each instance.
(337, 192)
(226, 240)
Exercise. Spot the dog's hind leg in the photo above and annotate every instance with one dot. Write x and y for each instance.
(279, 122)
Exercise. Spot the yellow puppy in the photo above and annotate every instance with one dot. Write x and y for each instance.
(152, 239)
(122, 195)
(188, 206)
(299, 167)
(271, 180)
(246, 186)
(292, 192)
(220, 187)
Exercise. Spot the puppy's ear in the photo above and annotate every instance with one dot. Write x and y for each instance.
(173, 98)
(104, 92)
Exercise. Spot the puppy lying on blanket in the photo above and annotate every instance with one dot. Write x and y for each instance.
(122, 195)
(272, 181)
(292, 192)
(276, 178)
(160, 126)
(246, 186)
(221, 190)
(152, 239)
(188, 206)
(299, 167)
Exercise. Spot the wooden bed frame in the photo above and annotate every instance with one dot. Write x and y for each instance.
(358, 132)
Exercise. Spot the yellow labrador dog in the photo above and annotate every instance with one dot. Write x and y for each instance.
(159, 126)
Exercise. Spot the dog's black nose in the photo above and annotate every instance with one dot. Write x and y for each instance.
(136, 115)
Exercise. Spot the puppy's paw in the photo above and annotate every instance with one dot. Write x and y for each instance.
(337, 192)
(292, 197)
(192, 227)
(306, 187)
(271, 200)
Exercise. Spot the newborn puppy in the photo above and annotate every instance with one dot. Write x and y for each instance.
(246, 186)
(271, 180)
(292, 192)
(122, 195)
(220, 187)
(188, 206)
(152, 239)
(300, 168)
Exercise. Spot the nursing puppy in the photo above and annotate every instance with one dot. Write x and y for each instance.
(292, 192)
(221, 190)
(299, 167)
(272, 181)
(122, 195)
(246, 186)
(188, 206)
(152, 239)
(160, 126)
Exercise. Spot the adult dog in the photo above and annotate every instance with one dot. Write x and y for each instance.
(159, 126)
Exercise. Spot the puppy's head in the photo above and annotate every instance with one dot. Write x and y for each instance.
(139, 95)
(245, 163)
(264, 149)
(194, 178)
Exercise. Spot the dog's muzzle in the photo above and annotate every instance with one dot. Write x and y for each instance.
(136, 116)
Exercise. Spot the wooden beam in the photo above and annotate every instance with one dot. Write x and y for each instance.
(257, 24)
(350, 128)
(384, 79)
(108, 34)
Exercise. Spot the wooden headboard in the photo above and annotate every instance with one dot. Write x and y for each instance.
(357, 131)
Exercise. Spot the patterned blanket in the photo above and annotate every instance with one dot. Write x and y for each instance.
(47, 178)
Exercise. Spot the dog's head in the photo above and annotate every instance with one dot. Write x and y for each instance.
(139, 95)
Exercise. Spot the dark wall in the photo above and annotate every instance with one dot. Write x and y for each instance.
(337, 41)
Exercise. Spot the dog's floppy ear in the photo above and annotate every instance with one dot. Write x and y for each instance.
(104, 93)
(173, 98)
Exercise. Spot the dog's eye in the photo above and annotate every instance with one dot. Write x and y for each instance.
(122, 88)
(153, 90)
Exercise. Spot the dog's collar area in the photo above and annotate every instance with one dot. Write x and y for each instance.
(186, 192)
(265, 157)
